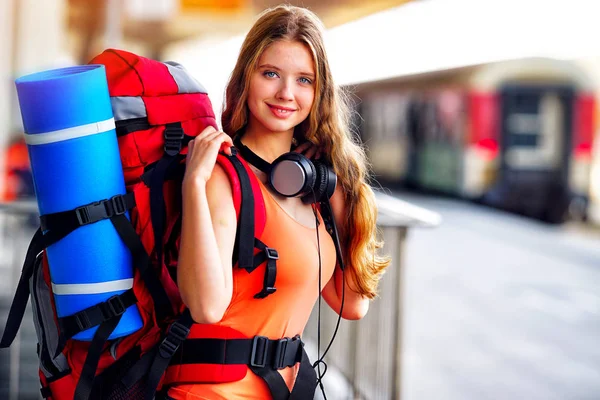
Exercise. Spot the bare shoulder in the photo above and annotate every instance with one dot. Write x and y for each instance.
(219, 192)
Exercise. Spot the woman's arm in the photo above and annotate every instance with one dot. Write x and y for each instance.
(204, 272)
(355, 305)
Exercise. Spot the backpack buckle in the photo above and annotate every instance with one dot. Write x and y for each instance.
(83, 321)
(91, 213)
(112, 307)
(177, 334)
(279, 358)
(118, 205)
(263, 342)
(271, 253)
(266, 291)
(173, 139)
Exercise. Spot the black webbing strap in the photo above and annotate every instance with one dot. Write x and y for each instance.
(243, 251)
(304, 387)
(245, 242)
(164, 352)
(259, 352)
(127, 126)
(174, 173)
(173, 137)
(17, 309)
(88, 371)
(96, 314)
(141, 261)
(306, 380)
(88, 214)
(139, 370)
(271, 256)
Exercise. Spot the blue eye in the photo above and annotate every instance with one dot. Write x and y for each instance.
(305, 80)
(270, 74)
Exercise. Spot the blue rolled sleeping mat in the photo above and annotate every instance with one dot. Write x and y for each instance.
(70, 134)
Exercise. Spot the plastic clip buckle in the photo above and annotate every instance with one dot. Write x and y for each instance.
(83, 322)
(173, 140)
(271, 253)
(177, 334)
(279, 359)
(91, 213)
(263, 360)
(265, 292)
(119, 206)
(113, 307)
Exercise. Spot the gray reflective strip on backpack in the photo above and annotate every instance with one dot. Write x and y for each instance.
(45, 325)
(185, 82)
(128, 107)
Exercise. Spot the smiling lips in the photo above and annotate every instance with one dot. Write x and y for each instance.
(280, 111)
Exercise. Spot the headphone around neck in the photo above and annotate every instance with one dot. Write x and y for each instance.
(294, 175)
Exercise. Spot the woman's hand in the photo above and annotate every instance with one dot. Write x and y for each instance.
(202, 155)
(309, 150)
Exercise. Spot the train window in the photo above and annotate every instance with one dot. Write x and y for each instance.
(535, 135)
(526, 140)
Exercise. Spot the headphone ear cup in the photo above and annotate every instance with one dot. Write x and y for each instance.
(292, 175)
(321, 184)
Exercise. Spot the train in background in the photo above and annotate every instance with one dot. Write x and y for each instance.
(517, 135)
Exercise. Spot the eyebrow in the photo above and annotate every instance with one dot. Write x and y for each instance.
(271, 66)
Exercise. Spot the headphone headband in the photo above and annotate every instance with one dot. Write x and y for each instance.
(251, 156)
(293, 174)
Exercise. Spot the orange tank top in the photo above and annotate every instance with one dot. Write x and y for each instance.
(282, 314)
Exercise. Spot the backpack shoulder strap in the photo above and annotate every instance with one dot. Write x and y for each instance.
(249, 205)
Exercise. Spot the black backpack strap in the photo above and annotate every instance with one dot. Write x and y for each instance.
(243, 250)
(271, 256)
(304, 387)
(88, 371)
(17, 309)
(175, 139)
(95, 315)
(63, 223)
(68, 221)
(245, 242)
(164, 352)
(141, 261)
(306, 380)
(274, 381)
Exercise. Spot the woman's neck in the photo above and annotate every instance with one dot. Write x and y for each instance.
(268, 145)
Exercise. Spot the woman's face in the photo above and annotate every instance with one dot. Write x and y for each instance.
(282, 89)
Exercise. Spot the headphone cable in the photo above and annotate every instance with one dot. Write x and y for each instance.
(320, 359)
(343, 268)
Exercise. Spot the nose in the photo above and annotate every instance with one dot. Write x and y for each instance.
(285, 92)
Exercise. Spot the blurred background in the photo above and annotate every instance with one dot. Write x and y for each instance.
(481, 122)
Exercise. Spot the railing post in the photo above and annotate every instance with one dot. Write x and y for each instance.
(402, 233)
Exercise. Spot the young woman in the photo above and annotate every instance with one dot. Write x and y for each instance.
(281, 93)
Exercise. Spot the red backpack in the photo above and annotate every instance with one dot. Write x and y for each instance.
(158, 108)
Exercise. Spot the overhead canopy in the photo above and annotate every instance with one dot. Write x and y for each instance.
(428, 35)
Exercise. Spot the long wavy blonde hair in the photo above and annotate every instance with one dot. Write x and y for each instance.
(327, 126)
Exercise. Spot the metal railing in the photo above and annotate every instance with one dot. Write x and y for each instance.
(19, 364)
(366, 356)
(365, 360)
